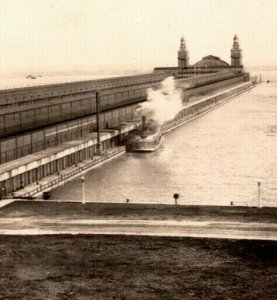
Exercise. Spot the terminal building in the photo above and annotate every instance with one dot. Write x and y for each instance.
(208, 64)
(44, 130)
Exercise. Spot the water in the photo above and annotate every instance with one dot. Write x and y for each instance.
(215, 159)
(17, 81)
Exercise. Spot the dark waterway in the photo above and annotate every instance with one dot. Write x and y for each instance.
(215, 159)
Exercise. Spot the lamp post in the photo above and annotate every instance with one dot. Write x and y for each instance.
(83, 189)
(176, 197)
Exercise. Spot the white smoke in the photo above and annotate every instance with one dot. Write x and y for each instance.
(163, 104)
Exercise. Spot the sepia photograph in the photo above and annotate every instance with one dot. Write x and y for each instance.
(138, 149)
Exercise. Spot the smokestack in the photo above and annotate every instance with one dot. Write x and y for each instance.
(143, 122)
(162, 104)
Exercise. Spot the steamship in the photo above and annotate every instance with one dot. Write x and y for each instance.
(147, 138)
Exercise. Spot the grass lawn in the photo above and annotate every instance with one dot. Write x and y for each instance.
(77, 210)
(136, 267)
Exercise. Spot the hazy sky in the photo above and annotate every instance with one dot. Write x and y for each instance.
(69, 34)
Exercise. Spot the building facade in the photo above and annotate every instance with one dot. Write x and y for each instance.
(236, 56)
(208, 64)
(183, 55)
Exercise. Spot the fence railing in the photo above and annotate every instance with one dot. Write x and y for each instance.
(204, 105)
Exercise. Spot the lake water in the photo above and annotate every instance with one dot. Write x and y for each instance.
(18, 81)
(215, 159)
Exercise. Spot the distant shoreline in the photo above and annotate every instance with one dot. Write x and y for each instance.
(117, 70)
(262, 69)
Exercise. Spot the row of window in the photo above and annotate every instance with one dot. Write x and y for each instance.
(13, 148)
(34, 118)
(35, 175)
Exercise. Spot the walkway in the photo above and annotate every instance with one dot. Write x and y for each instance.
(229, 230)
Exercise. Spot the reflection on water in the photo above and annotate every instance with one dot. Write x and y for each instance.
(215, 159)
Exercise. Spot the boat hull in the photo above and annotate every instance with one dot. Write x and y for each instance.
(147, 143)
(145, 147)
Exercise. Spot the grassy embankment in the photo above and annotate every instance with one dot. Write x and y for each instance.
(76, 210)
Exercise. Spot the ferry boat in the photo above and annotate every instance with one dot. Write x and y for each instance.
(148, 138)
(147, 143)
(31, 77)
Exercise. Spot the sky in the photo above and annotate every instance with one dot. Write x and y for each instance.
(90, 34)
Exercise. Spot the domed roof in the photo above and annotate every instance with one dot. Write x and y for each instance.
(211, 61)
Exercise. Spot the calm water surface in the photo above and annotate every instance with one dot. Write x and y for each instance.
(16, 81)
(215, 159)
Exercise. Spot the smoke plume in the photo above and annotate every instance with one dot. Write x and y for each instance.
(162, 104)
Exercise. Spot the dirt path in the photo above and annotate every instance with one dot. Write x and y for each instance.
(230, 230)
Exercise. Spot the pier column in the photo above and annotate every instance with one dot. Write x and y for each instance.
(98, 146)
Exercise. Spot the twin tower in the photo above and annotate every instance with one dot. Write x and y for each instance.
(236, 55)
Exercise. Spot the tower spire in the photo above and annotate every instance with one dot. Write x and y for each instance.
(182, 44)
(236, 56)
(183, 57)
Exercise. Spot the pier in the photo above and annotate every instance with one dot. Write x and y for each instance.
(47, 130)
(29, 157)
(138, 145)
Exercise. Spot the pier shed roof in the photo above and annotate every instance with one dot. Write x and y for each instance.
(211, 61)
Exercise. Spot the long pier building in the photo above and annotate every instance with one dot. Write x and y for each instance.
(47, 129)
